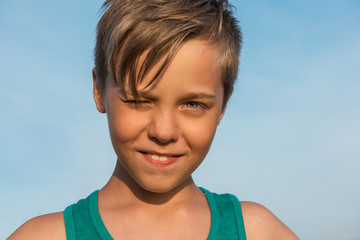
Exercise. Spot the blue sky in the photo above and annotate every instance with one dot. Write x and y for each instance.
(290, 139)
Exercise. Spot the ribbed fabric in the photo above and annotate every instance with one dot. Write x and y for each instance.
(226, 217)
(83, 221)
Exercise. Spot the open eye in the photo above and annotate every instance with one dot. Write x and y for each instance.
(192, 105)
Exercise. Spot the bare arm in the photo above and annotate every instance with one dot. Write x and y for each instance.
(49, 226)
(260, 223)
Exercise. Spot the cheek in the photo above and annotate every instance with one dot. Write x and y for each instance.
(125, 127)
(200, 134)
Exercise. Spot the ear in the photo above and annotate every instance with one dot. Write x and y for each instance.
(97, 94)
(223, 109)
(221, 116)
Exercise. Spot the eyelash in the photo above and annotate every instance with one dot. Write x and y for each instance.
(135, 103)
(198, 105)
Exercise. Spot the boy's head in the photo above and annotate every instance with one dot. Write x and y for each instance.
(135, 35)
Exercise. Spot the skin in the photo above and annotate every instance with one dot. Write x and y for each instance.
(175, 118)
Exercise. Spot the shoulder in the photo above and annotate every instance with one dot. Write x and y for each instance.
(260, 223)
(49, 226)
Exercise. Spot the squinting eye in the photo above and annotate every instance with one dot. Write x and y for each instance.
(130, 102)
(133, 102)
(192, 105)
(137, 103)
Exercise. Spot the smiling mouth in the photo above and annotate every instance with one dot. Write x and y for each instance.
(160, 159)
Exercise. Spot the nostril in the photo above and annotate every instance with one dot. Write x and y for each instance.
(162, 142)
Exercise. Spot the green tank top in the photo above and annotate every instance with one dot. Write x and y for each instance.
(83, 221)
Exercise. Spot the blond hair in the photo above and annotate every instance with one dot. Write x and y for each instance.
(130, 28)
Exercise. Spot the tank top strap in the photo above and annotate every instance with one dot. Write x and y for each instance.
(96, 218)
(239, 216)
(83, 221)
(226, 216)
(69, 223)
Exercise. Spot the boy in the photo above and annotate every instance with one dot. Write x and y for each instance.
(164, 71)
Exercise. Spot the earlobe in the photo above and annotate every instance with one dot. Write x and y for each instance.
(223, 109)
(97, 94)
(221, 116)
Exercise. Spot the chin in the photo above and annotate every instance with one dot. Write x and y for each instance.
(158, 188)
(164, 187)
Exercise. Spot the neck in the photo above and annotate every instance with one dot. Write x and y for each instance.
(122, 188)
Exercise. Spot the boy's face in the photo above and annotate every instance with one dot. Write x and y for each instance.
(164, 137)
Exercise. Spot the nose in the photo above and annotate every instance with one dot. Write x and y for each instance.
(163, 128)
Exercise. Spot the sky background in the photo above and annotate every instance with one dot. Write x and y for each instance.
(290, 138)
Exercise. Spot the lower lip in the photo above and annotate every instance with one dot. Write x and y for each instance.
(159, 163)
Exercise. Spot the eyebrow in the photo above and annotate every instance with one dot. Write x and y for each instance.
(198, 95)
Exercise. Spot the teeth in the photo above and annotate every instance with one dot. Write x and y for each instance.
(159, 158)
(155, 157)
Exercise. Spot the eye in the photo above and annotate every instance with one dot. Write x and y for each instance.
(137, 104)
(192, 105)
(131, 102)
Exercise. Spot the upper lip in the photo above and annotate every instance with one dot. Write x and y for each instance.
(161, 154)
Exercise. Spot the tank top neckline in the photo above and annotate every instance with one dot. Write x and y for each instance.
(104, 233)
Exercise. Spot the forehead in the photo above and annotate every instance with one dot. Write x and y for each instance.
(194, 63)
